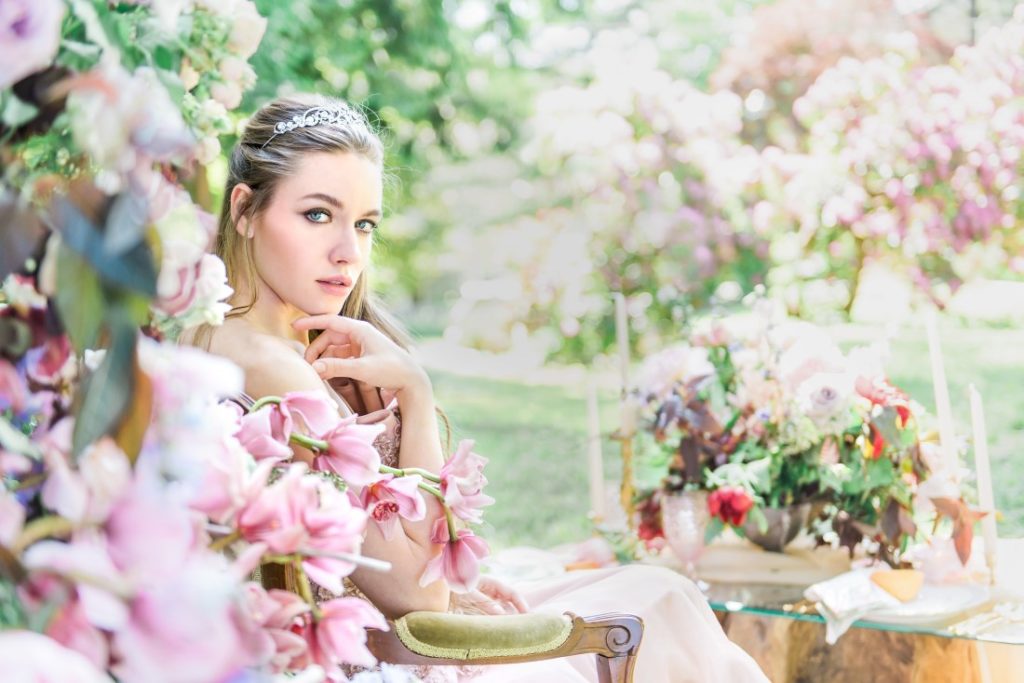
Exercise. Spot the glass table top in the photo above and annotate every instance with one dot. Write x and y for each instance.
(991, 620)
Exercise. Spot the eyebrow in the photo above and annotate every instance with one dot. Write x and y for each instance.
(328, 199)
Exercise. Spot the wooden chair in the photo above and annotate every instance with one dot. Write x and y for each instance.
(446, 639)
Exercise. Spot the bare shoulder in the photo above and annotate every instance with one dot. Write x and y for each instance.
(272, 366)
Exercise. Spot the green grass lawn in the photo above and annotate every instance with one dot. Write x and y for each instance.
(535, 436)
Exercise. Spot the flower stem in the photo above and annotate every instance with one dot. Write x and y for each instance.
(224, 541)
(399, 472)
(305, 590)
(309, 442)
(266, 400)
(38, 529)
(30, 481)
(452, 536)
(434, 491)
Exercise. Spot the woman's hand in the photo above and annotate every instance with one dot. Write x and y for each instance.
(357, 350)
(497, 597)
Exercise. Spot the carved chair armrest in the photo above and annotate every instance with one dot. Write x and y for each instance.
(440, 638)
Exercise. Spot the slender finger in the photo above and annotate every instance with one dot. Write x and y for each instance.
(325, 339)
(329, 321)
(340, 351)
(328, 368)
(519, 602)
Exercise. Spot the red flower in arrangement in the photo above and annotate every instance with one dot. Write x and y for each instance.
(880, 392)
(649, 530)
(874, 444)
(731, 504)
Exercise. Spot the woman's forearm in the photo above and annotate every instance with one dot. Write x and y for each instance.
(421, 440)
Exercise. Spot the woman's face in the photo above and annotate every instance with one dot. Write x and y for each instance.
(313, 240)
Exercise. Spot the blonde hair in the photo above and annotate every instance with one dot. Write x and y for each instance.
(260, 160)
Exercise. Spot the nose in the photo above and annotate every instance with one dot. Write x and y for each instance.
(346, 247)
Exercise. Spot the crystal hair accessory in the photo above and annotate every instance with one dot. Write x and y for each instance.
(316, 116)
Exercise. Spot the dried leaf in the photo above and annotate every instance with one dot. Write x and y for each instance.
(891, 522)
(689, 449)
(963, 537)
(132, 430)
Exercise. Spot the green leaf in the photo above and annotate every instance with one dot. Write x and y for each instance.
(713, 529)
(757, 516)
(108, 391)
(12, 612)
(16, 111)
(80, 300)
(880, 474)
(133, 269)
(885, 422)
(15, 441)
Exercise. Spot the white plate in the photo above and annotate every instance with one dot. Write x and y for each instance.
(935, 604)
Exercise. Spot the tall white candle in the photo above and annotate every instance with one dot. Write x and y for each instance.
(986, 498)
(627, 408)
(947, 435)
(622, 339)
(595, 466)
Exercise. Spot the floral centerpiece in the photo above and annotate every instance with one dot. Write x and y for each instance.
(765, 414)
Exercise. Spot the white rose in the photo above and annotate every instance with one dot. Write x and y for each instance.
(825, 399)
(209, 149)
(228, 93)
(188, 75)
(248, 29)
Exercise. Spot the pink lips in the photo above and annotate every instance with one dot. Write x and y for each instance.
(336, 286)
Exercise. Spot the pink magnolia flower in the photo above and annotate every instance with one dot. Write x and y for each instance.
(390, 497)
(350, 452)
(13, 392)
(462, 483)
(86, 563)
(88, 494)
(336, 526)
(301, 512)
(317, 412)
(71, 627)
(275, 516)
(227, 483)
(30, 656)
(265, 433)
(280, 616)
(29, 37)
(459, 561)
(196, 612)
(340, 635)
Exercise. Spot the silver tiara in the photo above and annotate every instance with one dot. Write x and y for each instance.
(317, 116)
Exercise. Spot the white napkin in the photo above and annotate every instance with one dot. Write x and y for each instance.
(846, 598)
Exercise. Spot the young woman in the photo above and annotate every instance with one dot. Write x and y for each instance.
(303, 200)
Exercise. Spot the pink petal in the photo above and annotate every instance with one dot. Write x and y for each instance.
(318, 413)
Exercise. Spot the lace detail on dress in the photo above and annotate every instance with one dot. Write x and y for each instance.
(388, 441)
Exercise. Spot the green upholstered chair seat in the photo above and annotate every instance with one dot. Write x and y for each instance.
(465, 636)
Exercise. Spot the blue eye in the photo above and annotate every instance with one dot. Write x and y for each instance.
(366, 226)
(317, 216)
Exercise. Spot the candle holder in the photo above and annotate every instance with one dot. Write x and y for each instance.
(627, 489)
